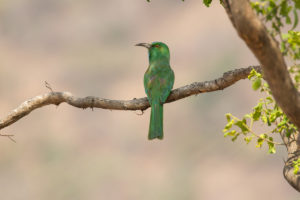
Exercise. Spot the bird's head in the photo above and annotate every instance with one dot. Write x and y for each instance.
(158, 51)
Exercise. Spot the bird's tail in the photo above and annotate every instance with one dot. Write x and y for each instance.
(156, 121)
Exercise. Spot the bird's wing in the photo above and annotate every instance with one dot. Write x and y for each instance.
(166, 84)
(148, 84)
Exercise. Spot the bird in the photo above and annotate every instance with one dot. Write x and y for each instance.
(158, 83)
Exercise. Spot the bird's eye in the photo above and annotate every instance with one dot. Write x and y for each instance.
(156, 46)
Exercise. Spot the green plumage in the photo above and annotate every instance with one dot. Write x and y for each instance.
(158, 83)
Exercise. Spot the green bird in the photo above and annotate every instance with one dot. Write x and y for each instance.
(158, 83)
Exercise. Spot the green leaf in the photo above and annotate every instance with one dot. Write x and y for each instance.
(264, 119)
(288, 133)
(271, 145)
(282, 123)
(296, 165)
(266, 85)
(260, 142)
(257, 111)
(268, 121)
(248, 116)
(269, 99)
(248, 139)
(228, 117)
(256, 84)
(288, 20)
(296, 169)
(297, 4)
(207, 2)
(263, 136)
(242, 126)
(252, 74)
(272, 4)
(275, 26)
(230, 133)
(272, 150)
(284, 11)
(235, 137)
(228, 126)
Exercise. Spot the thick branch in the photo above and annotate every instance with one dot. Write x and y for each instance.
(266, 50)
(56, 98)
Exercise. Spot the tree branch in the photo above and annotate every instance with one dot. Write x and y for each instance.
(266, 50)
(57, 98)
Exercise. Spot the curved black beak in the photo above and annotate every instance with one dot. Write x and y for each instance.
(144, 45)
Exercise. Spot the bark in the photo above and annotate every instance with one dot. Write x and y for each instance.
(142, 104)
(275, 72)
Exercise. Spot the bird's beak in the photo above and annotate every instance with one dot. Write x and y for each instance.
(144, 45)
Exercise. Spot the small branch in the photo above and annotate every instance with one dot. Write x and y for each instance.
(142, 104)
(9, 137)
(47, 85)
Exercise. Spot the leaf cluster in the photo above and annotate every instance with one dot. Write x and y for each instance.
(279, 14)
(267, 112)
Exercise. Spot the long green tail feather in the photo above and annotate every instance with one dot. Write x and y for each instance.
(156, 121)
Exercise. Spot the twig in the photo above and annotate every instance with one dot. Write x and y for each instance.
(47, 85)
(9, 137)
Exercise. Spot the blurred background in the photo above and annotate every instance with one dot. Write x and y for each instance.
(87, 48)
